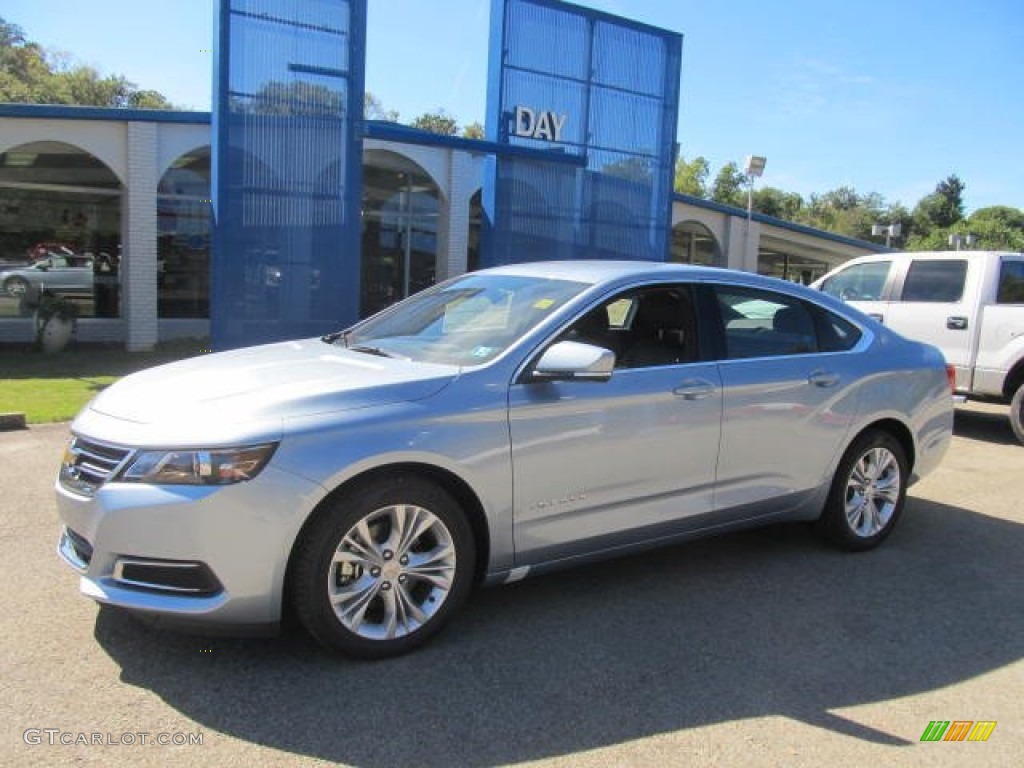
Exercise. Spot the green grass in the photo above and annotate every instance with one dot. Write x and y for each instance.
(55, 387)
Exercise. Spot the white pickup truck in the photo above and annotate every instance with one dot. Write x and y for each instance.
(969, 304)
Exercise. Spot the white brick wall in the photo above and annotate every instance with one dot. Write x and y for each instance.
(463, 179)
(138, 228)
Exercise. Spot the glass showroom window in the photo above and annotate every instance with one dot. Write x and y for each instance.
(60, 230)
(791, 267)
(400, 212)
(693, 243)
(183, 242)
(476, 218)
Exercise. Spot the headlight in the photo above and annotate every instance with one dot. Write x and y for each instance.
(217, 466)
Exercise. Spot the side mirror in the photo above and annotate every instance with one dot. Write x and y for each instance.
(574, 361)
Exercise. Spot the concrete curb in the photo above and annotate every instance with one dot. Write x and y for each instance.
(12, 421)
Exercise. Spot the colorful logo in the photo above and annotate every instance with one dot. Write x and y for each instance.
(958, 730)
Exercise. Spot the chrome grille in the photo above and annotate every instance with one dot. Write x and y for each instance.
(88, 464)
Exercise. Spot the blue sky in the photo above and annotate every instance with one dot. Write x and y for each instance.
(887, 97)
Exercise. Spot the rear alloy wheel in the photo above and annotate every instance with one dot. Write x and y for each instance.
(1017, 413)
(16, 286)
(868, 493)
(383, 568)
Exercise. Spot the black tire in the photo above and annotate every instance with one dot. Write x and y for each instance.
(1017, 412)
(391, 598)
(16, 286)
(876, 464)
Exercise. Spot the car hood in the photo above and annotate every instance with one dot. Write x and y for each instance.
(253, 390)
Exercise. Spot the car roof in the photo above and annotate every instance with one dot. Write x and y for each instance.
(602, 271)
(616, 274)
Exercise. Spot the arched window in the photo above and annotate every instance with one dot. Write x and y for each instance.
(60, 229)
(183, 240)
(399, 242)
(693, 243)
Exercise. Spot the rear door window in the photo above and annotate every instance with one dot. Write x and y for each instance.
(834, 333)
(1011, 283)
(935, 280)
(758, 323)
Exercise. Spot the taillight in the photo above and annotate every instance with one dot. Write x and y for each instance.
(951, 378)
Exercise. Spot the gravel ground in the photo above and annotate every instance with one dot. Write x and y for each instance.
(758, 648)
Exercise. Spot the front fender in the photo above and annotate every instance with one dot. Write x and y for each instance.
(471, 445)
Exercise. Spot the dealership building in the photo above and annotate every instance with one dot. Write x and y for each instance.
(276, 215)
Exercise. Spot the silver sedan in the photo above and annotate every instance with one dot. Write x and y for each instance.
(58, 274)
(499, 425)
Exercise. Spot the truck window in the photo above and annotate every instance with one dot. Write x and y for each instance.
(1011, 283)
(861, 282)
(935, 280)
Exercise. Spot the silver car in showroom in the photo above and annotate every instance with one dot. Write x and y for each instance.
(498, 425)
(57, 273)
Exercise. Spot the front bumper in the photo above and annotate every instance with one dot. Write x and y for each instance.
(208, 555)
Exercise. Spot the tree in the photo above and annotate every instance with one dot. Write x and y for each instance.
(31, 75)
(728, 186)
(774, 202)
(999, 228)
(11, 35)
(473, 131)
(437, 122)
(941, 209)
(373, 109)
(1000, 214)
(951, 190)
(691, 178)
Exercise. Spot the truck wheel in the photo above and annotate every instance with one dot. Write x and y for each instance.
(383, 567)
(1017, 413)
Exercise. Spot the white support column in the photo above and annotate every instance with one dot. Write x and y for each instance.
(753, 243)
(739, 245)
(453, 229)
(138, 236)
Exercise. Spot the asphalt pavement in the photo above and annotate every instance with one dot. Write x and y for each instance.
(758, 648)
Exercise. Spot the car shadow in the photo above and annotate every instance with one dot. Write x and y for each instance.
(984, 426)
(768, 622)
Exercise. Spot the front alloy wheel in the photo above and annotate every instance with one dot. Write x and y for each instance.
(868, 493)
(392, 572)
(382, 568)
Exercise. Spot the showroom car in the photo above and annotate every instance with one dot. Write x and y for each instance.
(498, 425)
(56, 273)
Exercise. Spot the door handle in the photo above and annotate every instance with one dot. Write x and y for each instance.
(823, 378)
(694, 389)
(956, 323)
(877, 316)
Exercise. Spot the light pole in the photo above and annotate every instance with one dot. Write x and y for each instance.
(956, 240)
(889, 230)
(753, 167)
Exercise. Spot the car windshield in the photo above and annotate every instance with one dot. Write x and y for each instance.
(467, 321)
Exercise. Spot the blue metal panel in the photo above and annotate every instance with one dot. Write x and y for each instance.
(572, 81)
(287, 154)
(64, 112)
